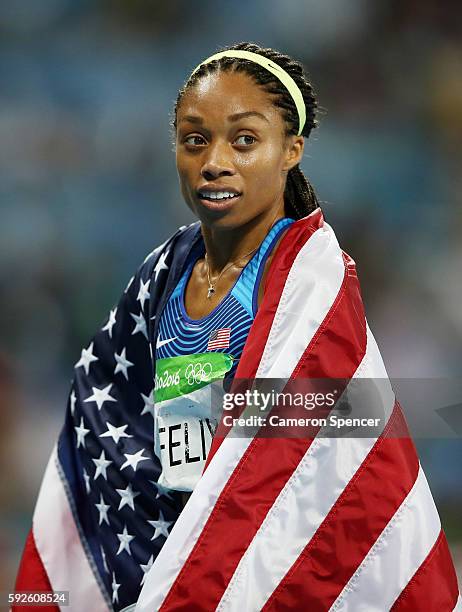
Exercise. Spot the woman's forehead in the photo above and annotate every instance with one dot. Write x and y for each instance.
(225, 93)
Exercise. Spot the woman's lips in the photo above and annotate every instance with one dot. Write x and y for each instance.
(219, 205)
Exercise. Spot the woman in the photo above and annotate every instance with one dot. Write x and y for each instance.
(257, 288)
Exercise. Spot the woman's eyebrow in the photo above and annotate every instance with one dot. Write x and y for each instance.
(238, 116)
(232, 118)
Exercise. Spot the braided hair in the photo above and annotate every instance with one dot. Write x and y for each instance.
(299, 196)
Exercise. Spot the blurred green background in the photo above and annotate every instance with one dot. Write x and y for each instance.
(88, 187)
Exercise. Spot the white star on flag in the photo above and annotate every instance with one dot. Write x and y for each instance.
(148, 404)
(155, 251)
(140, 326)
(103, 554)
(101, 466)
(127, 496)
(160, 265)
(149, 255)
(161, 490)
(102, 509)
(86, 358)
(160, 526)
(115, 432)
(86, 477)
(81, 433)
(143, 293)
(133, 460)
(146, 568)
(124, 538)
(100, 396)
(111, 322)
(129, 284)
(122, 363)
(115, 588)
(73, 398)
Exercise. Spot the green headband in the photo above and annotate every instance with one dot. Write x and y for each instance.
(274, 68)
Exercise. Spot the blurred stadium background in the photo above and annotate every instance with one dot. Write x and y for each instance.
(88, 186)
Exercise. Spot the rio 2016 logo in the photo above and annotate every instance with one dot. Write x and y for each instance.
(196, 373)
(167, 380)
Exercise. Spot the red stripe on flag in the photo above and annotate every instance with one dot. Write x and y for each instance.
(32, 576)
(268, 463)
(353, 524)
(434, 585)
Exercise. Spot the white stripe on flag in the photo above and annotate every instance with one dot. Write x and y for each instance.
(305, 501)
(396, 555)
(190, 523)
(319, 264)
(301, 309)
(59, 546)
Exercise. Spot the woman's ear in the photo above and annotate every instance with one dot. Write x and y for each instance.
(293, 152)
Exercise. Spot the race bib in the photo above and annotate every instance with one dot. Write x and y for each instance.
(187, 409)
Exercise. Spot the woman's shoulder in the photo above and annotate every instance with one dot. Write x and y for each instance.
(174, 247)
(183, 235)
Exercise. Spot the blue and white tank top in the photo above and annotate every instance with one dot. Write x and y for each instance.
(191, 354)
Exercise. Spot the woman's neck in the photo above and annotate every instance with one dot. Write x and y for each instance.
(224, 246)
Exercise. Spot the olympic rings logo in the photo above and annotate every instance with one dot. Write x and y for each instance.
(196, 373)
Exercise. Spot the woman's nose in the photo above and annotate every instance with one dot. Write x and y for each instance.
(217, 162)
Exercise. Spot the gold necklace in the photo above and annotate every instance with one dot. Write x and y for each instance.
(211, 288)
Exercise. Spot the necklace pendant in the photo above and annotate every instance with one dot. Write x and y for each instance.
(210, 291)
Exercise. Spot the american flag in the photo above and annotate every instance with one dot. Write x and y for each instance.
(101, 517)
(273, 524)
(308, 524)
(219, 338)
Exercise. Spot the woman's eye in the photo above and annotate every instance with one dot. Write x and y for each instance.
(194, 140)
(248, 140)
(197, 140)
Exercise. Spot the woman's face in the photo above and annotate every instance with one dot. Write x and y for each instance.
(232, 153)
